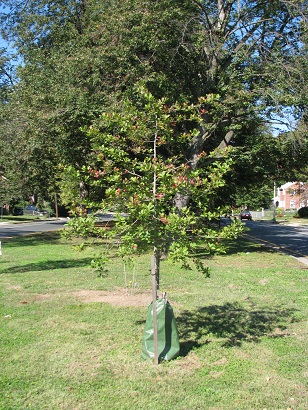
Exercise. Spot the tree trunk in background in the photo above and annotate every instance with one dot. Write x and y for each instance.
(56, 206)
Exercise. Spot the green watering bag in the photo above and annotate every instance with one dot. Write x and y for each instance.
(168, 337)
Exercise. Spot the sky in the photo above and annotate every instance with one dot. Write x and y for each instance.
(2, 42)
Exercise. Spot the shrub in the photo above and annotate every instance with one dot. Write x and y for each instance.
(303, 212)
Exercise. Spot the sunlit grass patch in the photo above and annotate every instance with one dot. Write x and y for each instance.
(72, 339)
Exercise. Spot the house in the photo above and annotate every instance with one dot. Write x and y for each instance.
(291, 195)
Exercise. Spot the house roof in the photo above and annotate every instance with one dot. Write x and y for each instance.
(287, 185)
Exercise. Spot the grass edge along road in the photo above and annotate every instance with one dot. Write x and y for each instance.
(72, 340)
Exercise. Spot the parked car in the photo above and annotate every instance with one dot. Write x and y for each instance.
(33, 210)
(246, 215)
(105, 218)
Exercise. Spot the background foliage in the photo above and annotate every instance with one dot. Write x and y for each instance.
(70, 61)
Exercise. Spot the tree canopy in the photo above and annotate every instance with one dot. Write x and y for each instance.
(79, 58)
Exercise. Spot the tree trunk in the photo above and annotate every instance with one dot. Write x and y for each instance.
(156, 265)
(181, 199)
(155, 262)
(56, 206)
(83, 191)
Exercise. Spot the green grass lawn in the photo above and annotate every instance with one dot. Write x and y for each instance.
(71, 339)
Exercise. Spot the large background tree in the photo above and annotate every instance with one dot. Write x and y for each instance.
(80, 57)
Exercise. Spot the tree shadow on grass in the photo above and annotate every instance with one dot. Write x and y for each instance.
(244, 245)
(232, 324)
(34, 239)
(48, 265)
(233, 247)
(52, 238)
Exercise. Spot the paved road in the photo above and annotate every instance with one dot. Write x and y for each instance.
(9, 230)
(293, 239)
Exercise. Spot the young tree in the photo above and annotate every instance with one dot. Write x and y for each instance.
(139, 165)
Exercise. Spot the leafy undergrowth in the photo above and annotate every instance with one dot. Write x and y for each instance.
(243, 332)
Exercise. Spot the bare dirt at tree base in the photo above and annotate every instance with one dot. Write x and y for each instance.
(121, 297)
